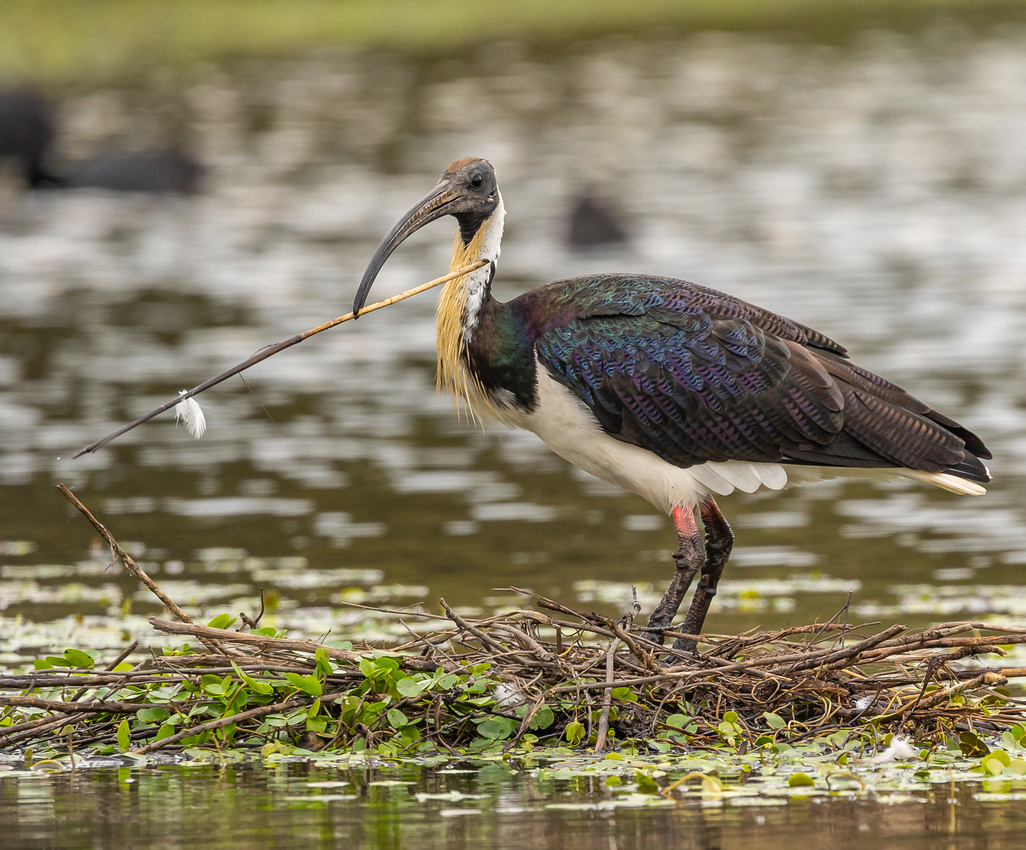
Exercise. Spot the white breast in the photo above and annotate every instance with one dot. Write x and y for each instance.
(567, 427)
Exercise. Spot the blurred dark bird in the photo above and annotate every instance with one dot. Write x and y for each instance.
(155, 171)
(672, 391)
(594, 224)
(26, 134)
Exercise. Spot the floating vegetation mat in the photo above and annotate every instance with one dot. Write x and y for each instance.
(523, 681)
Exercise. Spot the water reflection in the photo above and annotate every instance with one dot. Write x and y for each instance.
(874, 191)
(298, 805)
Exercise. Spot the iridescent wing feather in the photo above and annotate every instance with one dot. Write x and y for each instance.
(694, 375)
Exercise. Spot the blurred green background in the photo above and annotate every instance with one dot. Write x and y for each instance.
(91, 41)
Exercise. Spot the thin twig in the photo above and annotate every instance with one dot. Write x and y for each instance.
(607, 698)
(271, 350)
(129, 563)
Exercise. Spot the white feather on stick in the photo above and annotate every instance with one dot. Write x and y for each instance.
(189, 412)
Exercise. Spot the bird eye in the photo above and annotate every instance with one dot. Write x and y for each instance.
(477, 181)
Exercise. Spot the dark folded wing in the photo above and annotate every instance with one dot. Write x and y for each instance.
(696, 376)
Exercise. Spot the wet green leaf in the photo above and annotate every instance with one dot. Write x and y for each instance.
(213, 685)
(543, 718)
(221, 621)
(308, 684)
(993, 765)
(124, 735)
(323, 663)
(574, 732)
(646, 784)
(775, 721)
(254, 685)
(971, 745)
(156, 714)
(496, 728)
(410, 687)
(79, 658)
(798, 780)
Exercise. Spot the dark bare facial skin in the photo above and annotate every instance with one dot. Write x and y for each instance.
(467, 190)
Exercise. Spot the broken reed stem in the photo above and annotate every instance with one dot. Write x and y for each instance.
(607, 698)
(130, 564)
(207, 633)
(476, 632)
(271, 350)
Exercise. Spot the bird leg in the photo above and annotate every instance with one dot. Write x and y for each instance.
(719, 540)
(689, 559)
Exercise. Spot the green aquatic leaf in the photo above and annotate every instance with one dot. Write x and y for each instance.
(992, 765)
(221, 621)
(497, 728)
(323, 663)
(254, 685)
(124, 735)
(213, 685)
(79, 658)
(775, 721)
(156, 714)
(799, 780)
(646, 784)
(543, 718)
(308, 684)
(971, 745)
(574, 732)
(410, 687)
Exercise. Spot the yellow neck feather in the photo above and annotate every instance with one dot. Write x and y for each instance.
(450, 319)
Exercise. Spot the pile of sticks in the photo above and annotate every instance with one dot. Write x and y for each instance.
(813, 679)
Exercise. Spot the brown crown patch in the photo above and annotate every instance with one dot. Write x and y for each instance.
(460, 163)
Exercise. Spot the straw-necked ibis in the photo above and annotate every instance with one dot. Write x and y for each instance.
(672, 391)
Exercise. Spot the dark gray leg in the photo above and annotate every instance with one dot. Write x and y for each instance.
(689, 559)
(719, 540)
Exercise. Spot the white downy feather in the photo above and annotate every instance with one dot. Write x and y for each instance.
(189, 412)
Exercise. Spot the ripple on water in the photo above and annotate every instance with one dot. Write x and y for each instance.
(873, 191)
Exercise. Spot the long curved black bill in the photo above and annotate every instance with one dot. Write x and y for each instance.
(432, 206)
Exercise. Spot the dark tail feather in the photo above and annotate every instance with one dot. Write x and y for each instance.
(884, 426)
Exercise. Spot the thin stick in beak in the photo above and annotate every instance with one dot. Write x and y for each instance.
(433, 205)
(274, 349)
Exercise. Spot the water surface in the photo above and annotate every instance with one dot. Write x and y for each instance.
(876, 191)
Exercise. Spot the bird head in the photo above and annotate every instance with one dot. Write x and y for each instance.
(467, 190)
